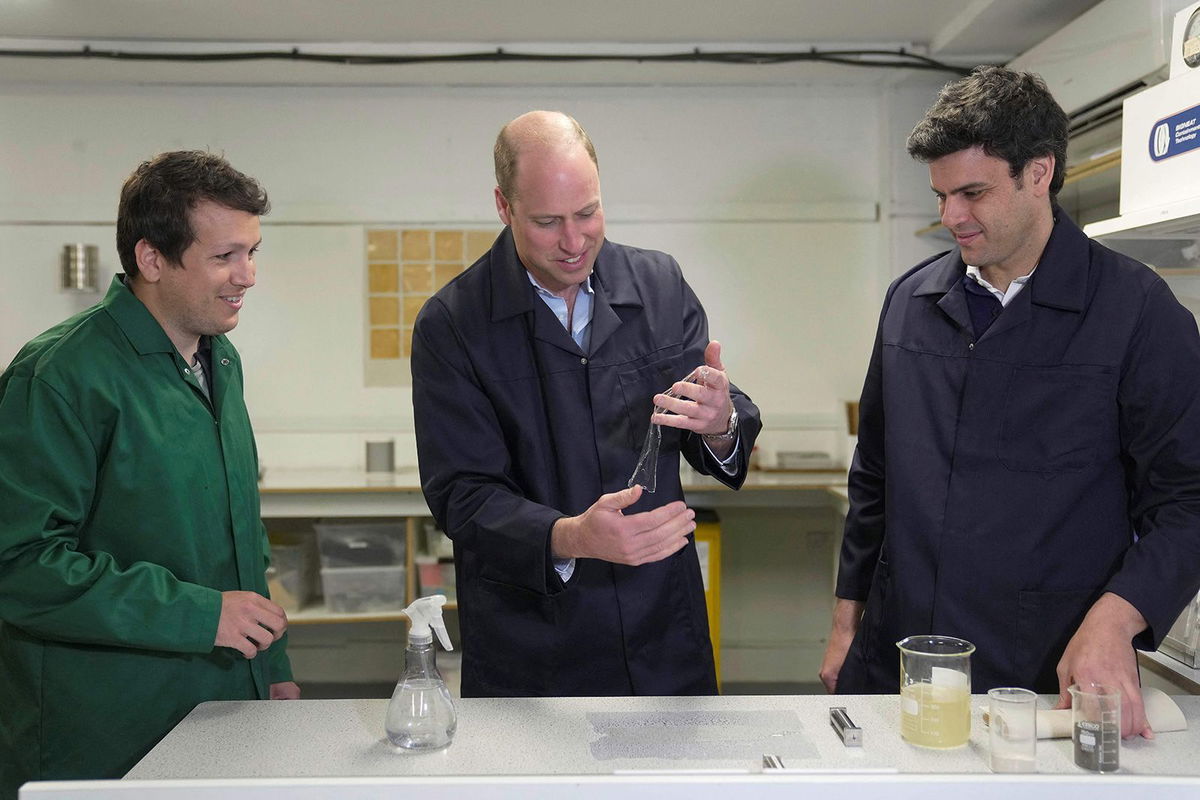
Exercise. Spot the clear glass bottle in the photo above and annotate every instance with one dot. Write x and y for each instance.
(421, 716)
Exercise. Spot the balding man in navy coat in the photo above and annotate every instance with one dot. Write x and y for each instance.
(535, 374)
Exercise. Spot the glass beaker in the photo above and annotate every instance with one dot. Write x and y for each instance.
(935, 690)
(1096, 726)
(1012, 729)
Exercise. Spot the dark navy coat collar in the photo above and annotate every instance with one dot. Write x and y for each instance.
(1061, 278)
(513, 294)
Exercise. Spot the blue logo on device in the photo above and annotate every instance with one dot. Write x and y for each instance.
(1175, 134)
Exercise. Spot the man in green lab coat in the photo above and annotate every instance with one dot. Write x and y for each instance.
(132, 555)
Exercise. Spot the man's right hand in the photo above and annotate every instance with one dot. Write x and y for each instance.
(605, 532)
(249, 623)
(846, 616)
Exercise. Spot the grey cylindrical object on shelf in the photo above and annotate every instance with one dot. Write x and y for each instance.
(79, 266)
(381, 456)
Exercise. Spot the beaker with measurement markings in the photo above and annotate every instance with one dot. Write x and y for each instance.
(1096, 726)
(935, 690)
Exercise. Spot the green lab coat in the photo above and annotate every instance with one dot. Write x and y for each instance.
(128, 503)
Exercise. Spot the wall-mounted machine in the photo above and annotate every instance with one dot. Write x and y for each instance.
(1159, 221)
(1110, 52)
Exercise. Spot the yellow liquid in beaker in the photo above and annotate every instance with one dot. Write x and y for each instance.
(935, 716)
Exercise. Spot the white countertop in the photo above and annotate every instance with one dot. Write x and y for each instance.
(581, 736)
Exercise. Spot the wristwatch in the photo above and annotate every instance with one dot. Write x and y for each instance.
(728, 435)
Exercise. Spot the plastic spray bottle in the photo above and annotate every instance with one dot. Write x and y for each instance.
(421, 715)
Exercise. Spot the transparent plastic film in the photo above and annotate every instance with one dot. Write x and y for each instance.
(646, 471)
(645, 474)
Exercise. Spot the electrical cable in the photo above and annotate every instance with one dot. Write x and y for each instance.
(899, 58)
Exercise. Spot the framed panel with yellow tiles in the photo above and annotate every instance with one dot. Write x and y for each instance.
(404, 267)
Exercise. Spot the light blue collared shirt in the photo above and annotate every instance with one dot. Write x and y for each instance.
(581, 319)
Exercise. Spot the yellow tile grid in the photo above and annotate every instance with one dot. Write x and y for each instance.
(383, 278)
(384, 311)
(444, 273)
(385, 343)
(412, 305)
(478, 243)
(382, 245)
(405, 266)
(416, 245)
(448, 246)
(418, 279)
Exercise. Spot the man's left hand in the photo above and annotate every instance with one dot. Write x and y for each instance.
(285, 690)
(1101, 651)
(703, 404)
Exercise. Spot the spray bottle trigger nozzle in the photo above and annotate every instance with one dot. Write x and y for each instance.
(426, 613)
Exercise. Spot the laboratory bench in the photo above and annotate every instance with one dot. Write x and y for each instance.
(766, 495)
(354, 493)
(661, 747)
(777, 546)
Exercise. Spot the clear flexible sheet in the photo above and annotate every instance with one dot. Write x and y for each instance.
(645, 473)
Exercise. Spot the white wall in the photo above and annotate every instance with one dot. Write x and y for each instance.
(694, 171)
(910, 204)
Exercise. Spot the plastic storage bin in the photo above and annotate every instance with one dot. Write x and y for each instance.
(435, 577)
(290, 577)
(354, 590)
(360, 544)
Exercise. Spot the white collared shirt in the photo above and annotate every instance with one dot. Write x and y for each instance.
(1014, 288)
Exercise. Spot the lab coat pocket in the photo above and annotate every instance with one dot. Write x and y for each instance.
(1046, 621)
(518, 643)
(1055, 418)
(639, 383)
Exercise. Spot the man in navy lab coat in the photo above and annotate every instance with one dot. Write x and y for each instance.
(1028, 466)
(535, 373)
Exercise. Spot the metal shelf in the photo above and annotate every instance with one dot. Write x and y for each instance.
(317, 614)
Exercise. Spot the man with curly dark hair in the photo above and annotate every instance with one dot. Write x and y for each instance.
(1027, 474)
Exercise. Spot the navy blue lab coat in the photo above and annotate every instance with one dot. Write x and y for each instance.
(517, 427)
(1000, 486)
